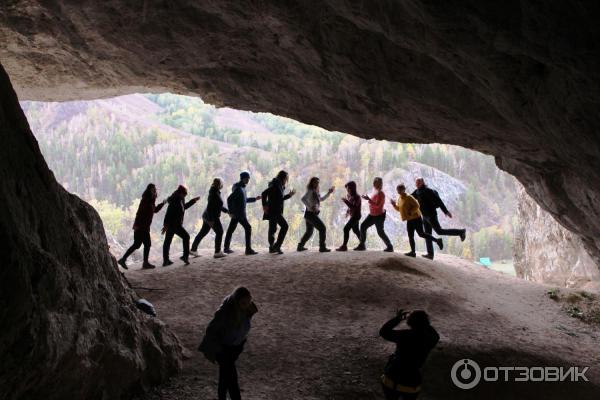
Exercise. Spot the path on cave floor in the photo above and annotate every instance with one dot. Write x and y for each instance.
(315, 336)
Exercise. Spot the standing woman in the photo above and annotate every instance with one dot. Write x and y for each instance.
(409, 210)
(376, 217)
(272, 201)
(141, 226)
(312, 201)
(353, 201)
(225, 338)
(212, 219)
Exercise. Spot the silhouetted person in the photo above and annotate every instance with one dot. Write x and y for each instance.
(429, 201)
(236, 202)
(376, 217)
(173, 224)
(312, 201)
(272, 201)
(211, 219)
(141, 226)
(402, 376)
(353, 202)
(408, 207)
(225, 338)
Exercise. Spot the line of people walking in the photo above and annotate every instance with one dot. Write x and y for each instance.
(418, 209)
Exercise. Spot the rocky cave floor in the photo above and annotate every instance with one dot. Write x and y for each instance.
(316, 333)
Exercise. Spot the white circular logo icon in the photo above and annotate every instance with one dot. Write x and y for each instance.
(465, 374)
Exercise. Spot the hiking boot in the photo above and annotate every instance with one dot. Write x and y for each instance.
(147, 265)
(228, 251)
(389, 249)
(185, 260)
(194, 253)
(220, 255)
(167, 263)
(428, 256)
(463, 235)
(342, 248)
(275, 250)
(440, 243)
(324, 250)
(410, 254)
(360, 247)
(251, 252)
(301, 248)
(121, 262)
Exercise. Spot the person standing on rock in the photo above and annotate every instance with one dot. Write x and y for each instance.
(376, 217)
(312, 201)
(211, 219)
(173, 224)
(273, 199)
(429, 201)
(402, 376)
(353, 202)
(408, 207)
(225, 337)
(141, 226)
(236, 202)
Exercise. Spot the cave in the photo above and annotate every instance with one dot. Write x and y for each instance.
(518, 80)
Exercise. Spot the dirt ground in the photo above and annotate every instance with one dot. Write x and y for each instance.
(316, 333)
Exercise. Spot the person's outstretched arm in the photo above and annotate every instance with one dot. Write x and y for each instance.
(159, 207)
(191, 203)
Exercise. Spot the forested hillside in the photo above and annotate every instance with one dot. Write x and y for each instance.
(107, 151)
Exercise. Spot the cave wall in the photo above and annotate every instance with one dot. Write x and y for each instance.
(70, 329)
(516, 79)
(546, 252)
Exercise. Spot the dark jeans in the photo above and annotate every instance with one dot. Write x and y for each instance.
(217, 228)
(228, 378)
(391, 394)
(378, 221)
(283, 228)
(314, 222)
(430, 222)
(185, 237)
(417, 225)
(351, 225)
(140, 237)
(247, 230)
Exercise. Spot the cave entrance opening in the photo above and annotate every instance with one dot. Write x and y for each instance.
(108, 150)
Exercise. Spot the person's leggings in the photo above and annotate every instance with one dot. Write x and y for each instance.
(140, 237)
(283, 228)
(351, 225)
(233, 225)
(314, 222)
(430, 222)
(228, 377)
(217, 228)
(182, 233)
(416, 225)
(378, 221)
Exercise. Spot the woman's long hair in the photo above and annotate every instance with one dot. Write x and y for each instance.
(148, 192)
(282, 176)
(216, 184)
(232, 304)
(351, 187)
(313, 183)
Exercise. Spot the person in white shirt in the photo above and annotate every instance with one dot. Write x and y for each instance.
(312, 201)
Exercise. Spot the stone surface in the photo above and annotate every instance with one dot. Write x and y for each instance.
(548, 253)
(70, 329)
(518, 79)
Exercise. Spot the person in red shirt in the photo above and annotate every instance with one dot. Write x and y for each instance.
(141, 226)
(376, 217)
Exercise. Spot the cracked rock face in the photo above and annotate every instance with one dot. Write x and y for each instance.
(70, 329)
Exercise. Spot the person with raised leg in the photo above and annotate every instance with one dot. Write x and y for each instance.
(376, 217)
(429, 201)
(173, 224)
